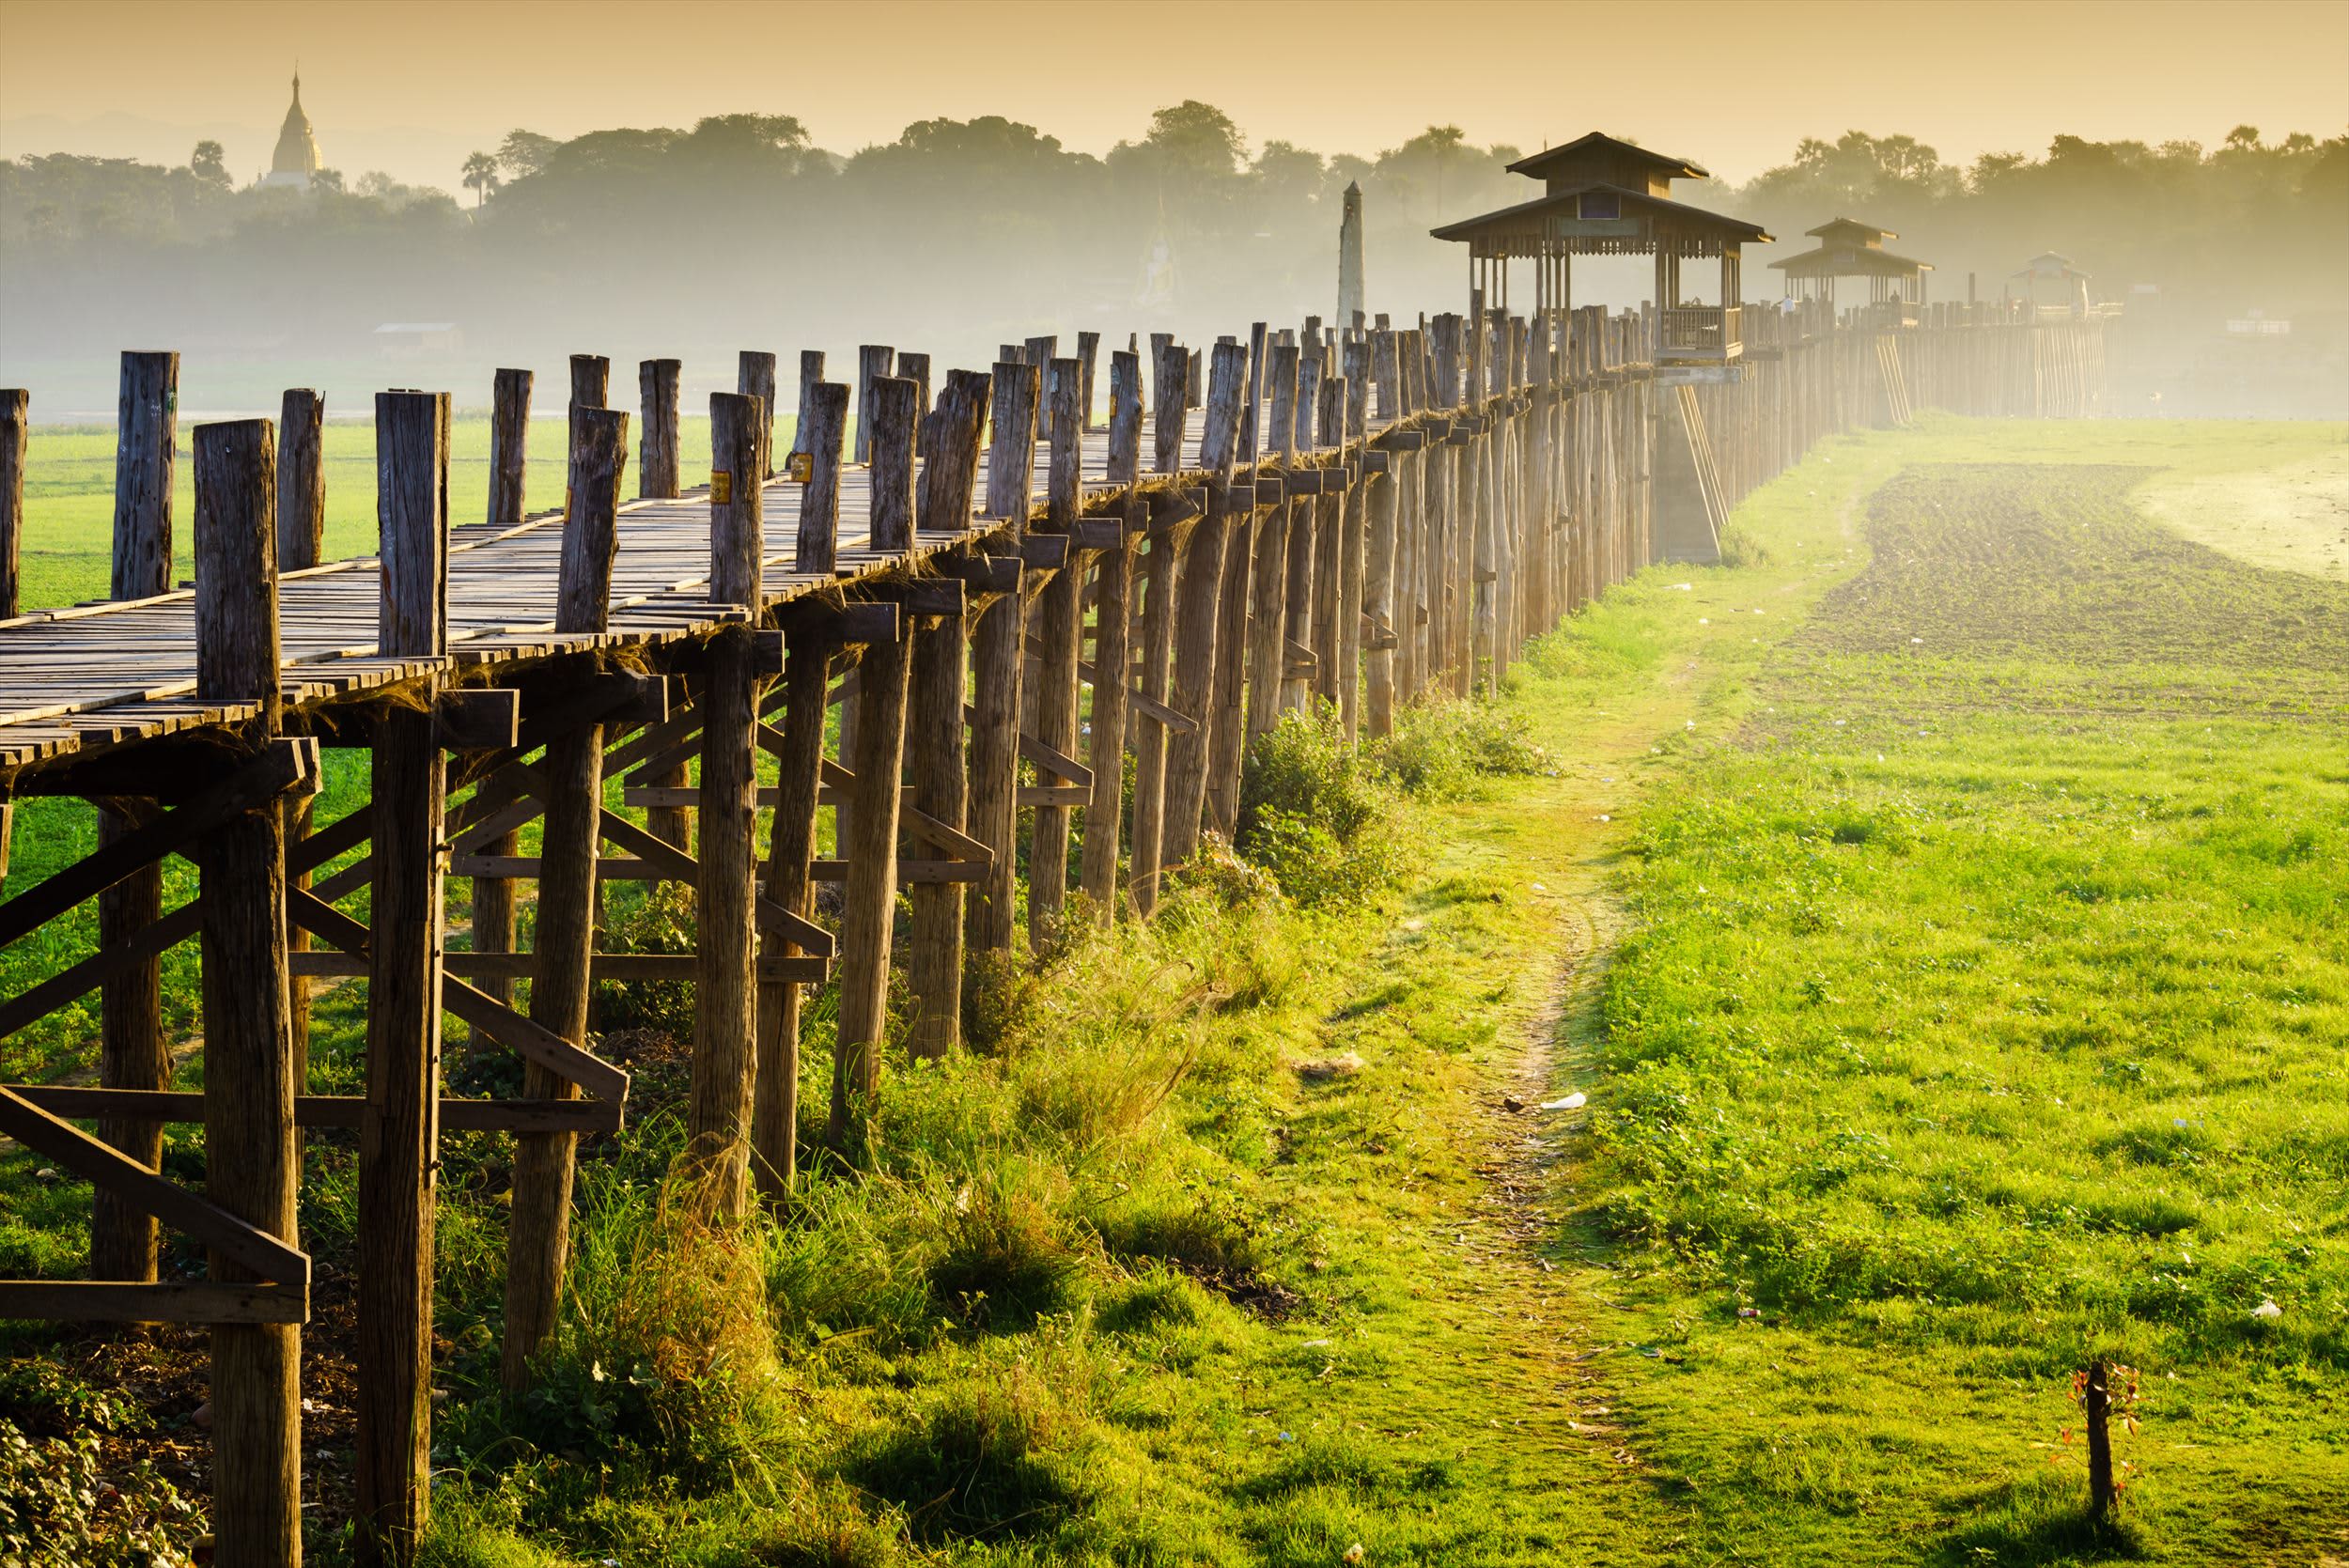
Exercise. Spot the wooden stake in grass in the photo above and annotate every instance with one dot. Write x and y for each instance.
(2096, 1402)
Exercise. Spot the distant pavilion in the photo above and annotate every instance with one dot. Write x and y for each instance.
(1603, 196)
(1851, 249)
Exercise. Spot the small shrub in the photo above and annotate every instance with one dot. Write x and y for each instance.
(1741, 548)
(57, 1510)
(1316, 814)
(1007, 1258)
(1438, 750)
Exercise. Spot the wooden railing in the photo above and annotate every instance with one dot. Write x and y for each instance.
(1708, 330)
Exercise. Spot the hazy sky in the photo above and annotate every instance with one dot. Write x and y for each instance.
(408, 86)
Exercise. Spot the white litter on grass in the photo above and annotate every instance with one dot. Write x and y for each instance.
(2267, 1312)
(1572, 1102)
(1539, 887)
(1686, 587)
(1604, 817)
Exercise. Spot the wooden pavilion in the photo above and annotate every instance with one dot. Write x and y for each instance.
(1603, 196)
(1848, 248)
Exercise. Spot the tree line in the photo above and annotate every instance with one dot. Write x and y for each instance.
(973, 229)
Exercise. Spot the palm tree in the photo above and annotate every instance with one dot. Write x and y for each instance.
(481, 176)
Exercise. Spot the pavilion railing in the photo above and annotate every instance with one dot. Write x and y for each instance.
(1709, 330)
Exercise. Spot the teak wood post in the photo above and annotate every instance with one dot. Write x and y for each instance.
(509, 446)
(1168, 547)
(937, 755)
(889, 448)
(824, 421)
(811, 377)
(1268, 652)
(725, 1021)
(873, 362)
(1353, 532)
(591, 384)
(1379, 599)
(132, 1051)
(1328, 542)
(917, 368)
(1088, 356)
(951, 467)
(250, 1169)
(538, 1236)
(1060, 624)
(399, 1125)
(657, 478)
(999, 650)
(869, 900)
(791, 845)
(1197, 610)
(755, 376)
(1297, 682)
(1113, 655)
(300, 537)
(657, 452)
(15, 435)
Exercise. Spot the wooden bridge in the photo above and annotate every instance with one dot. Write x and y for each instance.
(1362, 519)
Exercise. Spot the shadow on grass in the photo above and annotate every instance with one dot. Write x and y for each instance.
(2028, 1528)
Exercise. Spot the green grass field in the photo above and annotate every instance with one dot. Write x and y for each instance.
(1941, 911)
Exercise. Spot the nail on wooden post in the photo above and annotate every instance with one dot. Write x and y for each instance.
(896, 408)
(509, 444)
(300, 537)
(132, 1051)
(1197, 610)
(998, 654)
(1112, 654)
(755, 376)
(874, 362)
(869, 900)
(810, 376)
(725, 1020)
(819, 540)
(400, 1123)
(538, 1236)
(251, 1170)
(657, 454)
(1059, 625)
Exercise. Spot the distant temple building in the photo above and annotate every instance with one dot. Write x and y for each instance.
(297, 158)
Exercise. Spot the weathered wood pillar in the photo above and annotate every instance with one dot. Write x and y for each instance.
(870, 897)
(938, 747)
(1059, 625)
(1168, 547)
(998, 653)
(725, 1020)
(1379, 553)
(1267, 651)
(874, 363)
(132, 1052)
(810, 376)
(755, 376)
(591, 383)
(1354, 529)
(1198, 609)
(1329, 542)
(509, 445)
(1297, 677)
(657, 454)
(1113, 653)
(15, 438)
(538, 1236)
(791, 847)
(493, 896)
(300, 537)
(1088, 355)
(400, 1123)
(917, 368)
(250, 1165)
